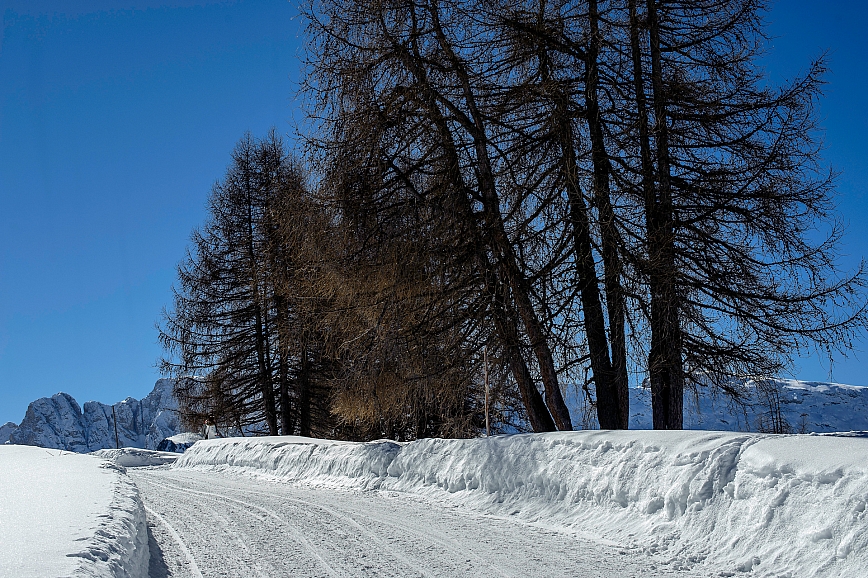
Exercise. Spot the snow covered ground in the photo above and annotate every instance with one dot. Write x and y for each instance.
(594, 503)
(208, 524)
(67, 514)
(707, 503)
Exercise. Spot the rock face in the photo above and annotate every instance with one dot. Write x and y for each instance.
(59, 422)
(6, 430)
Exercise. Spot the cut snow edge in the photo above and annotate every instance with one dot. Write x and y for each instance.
(67, 514)
(119, 547)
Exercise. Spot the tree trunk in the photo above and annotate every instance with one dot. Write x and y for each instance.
(588, 282)
(265, 375)
(262, 352)
(504, 323)
(304, 394)
(287, 426)
(617, 387)
(665, 362)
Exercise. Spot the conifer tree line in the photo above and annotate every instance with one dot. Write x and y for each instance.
(588, 194)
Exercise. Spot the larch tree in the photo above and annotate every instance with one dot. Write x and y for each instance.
(646, 132)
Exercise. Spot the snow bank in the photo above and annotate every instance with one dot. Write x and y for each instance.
(66, 514)
(135, 457)
(716, 502)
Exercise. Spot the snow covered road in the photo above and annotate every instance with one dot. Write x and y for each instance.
(216, 524)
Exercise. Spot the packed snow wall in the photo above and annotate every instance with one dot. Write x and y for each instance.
(776, 505)
(71, 515)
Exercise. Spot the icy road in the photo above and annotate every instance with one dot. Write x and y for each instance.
(213, 524)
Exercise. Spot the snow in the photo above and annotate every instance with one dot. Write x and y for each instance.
(184, 438)
(712, 502)
(266, 528)
(135, 457)
(178, 443)
(718, 503)
(66, 514)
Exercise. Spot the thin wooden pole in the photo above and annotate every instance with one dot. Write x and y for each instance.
(485, 366)
(115, 420)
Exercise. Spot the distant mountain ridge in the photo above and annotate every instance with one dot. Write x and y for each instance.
(767, 405)
(59, 422)
(788, 406)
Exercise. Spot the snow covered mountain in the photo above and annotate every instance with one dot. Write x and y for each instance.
(59, 422)
(772, 406)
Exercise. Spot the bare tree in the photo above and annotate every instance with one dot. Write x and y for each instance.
(407, 66)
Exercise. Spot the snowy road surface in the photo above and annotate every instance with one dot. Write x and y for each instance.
(213, 524)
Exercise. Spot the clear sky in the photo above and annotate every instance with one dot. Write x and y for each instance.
(117, 116)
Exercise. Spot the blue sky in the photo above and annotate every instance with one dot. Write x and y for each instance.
(117, 116)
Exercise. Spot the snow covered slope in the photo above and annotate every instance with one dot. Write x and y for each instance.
(58, 422)
(65, 514)
(716, 503)
(794, 406)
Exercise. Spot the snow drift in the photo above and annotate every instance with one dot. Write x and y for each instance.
(178, 443)
(66, 514)
(792, 505)
(136, 457)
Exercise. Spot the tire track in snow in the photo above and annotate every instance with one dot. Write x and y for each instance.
(194, 568)
(310, 548)
(389, 549)
(447, 543)
(241, 538)
(429, 535)
(444, 541)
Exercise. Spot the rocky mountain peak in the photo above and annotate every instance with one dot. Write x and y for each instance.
(59, 422)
